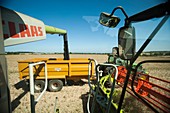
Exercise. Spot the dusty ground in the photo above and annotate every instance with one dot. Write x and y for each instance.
(71, 99)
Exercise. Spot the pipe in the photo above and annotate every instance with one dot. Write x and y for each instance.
(54, 30)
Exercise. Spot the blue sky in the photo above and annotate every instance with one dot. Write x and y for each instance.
(80, 19)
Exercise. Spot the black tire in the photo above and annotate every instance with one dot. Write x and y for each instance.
(55, 85)
(39, 86)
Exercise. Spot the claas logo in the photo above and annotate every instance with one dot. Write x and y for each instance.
(15, 30)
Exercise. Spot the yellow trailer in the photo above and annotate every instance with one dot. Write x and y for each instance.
(58, 71)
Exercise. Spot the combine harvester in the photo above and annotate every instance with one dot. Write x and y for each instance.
(41, 73)
(18, 28)
(121, 70)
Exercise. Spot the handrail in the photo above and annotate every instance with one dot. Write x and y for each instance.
(158, 96)
(99, 73)
(91, 89)
(89, 70)
(113, 85)
(31, 74)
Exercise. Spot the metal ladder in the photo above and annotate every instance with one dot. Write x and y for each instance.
(101, 100)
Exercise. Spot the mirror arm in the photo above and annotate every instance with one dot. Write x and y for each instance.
(127, 22)
(123, 11)
(121, 8)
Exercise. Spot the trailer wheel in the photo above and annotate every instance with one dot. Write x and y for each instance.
(55, 85)
(39, 85)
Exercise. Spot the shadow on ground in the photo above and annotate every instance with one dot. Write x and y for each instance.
(77, 83)
(84, 98)
(130, 105)
(22, 84)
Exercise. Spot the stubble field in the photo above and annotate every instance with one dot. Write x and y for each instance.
(71, 99)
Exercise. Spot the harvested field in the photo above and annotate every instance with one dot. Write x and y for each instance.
(71, 99)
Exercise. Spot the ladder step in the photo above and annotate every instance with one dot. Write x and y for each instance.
(101, 100)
